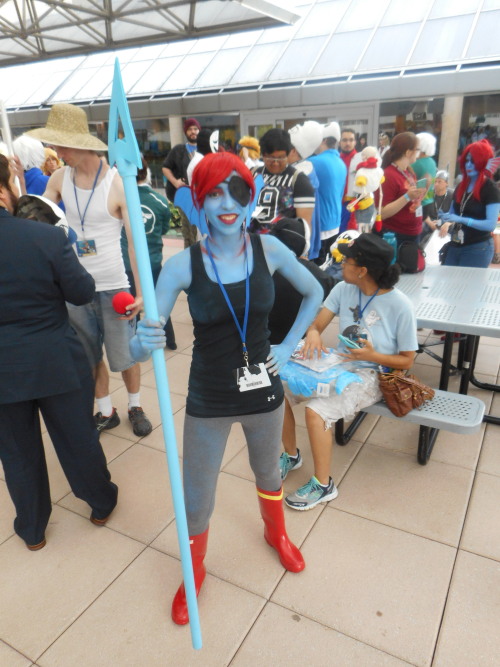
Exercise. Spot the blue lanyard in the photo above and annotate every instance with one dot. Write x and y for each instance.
(82, 217)
(362, 310)
(241, 331)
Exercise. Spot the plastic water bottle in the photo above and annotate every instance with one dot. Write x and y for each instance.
(390, 237)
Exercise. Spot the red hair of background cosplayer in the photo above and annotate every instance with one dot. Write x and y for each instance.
(480, 152)
(212, 170)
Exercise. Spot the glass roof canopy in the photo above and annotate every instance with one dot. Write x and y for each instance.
(40, 29)
(333, 41)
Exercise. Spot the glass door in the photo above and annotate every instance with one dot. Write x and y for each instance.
(361, 119)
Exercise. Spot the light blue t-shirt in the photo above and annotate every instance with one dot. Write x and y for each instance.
(332, 174)
(388, 321)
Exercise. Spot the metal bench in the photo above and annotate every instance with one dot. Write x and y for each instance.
(447, 411)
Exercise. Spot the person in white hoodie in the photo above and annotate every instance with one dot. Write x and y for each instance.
(306, 139)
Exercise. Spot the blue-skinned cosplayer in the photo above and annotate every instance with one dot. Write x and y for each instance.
(234, 372)
(474, 212)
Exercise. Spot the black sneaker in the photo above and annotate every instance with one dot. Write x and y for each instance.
(104, 423)
(141, 425)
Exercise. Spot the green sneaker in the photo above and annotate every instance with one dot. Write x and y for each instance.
(311, 494)
(288, 463)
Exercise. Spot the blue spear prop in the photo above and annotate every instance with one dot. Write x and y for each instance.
(124, 152)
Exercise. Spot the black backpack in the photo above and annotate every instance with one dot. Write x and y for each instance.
(411, 257)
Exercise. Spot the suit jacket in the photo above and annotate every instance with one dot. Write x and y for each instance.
(40, 354)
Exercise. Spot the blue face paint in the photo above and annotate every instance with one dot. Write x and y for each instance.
(223, 212)
(470, 168)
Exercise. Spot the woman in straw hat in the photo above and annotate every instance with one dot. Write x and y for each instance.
(96, 210)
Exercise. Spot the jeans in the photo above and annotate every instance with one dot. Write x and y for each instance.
(477, 255)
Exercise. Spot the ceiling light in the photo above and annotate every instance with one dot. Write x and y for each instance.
(270, 9)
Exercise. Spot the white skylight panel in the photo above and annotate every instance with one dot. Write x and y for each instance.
(341, 53)
(363, 14)
(298, 58)
(258, 64)
(389, 47)
(442, 40)
(222, 67)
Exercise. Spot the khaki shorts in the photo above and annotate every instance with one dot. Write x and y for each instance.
(98, 324)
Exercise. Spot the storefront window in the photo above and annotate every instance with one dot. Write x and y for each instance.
(480, 120)
(412, 116)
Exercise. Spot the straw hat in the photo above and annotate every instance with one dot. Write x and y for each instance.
(67, 126)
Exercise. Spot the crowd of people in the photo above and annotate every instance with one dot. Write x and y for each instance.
(258, 243)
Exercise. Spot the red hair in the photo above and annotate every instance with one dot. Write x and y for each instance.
(212, 170)
(480, 152)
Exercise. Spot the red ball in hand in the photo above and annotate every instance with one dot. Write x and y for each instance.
(121, 301)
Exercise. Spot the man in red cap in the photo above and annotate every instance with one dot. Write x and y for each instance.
(177, 161)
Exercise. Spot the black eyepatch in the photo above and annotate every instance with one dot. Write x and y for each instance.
(239, 190)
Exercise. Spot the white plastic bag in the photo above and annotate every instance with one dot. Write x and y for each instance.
(433, 247)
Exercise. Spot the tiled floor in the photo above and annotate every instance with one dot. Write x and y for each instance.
(402, 569)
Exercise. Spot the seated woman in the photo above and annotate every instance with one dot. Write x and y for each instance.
(474, 212)
(381, 320)
(234, 374)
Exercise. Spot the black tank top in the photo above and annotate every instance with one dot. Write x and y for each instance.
(217, 350)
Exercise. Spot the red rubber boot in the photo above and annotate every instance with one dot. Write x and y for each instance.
(198, 545)
(271, 509)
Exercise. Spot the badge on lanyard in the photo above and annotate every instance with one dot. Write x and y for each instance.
(253, 376)
(249, 376)
(457, 234)
(86, 248)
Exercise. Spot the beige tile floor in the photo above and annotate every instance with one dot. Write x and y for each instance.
(402, 569)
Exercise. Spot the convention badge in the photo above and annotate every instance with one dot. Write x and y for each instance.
(419, 212)
(323, 389)
(86, 248)
(254, 376)
(457, 234)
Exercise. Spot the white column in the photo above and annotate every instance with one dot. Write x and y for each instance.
(176, 130)
(450, 133)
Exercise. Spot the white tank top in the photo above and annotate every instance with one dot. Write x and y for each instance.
(106, 267)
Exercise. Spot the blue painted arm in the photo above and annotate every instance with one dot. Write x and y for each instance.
(486, 225)
(174, 277)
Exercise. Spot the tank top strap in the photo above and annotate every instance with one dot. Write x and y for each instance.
(197, 269)
(259, 258)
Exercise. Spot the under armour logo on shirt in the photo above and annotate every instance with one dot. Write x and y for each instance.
(271, 398)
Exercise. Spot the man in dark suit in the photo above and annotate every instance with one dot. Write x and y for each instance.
(44, 367)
